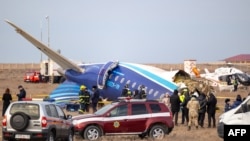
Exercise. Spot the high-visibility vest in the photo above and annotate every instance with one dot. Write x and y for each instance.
(182, 98)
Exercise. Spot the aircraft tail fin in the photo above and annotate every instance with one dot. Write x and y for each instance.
(196, 72)
(55, 56)
(206, 71)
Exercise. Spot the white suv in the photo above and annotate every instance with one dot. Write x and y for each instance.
(36, 120)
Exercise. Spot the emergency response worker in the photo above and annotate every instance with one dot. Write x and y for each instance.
(193, 106)
(126, 92)
(84, 99)
(184, 98)
(235, 83)
(142, 92)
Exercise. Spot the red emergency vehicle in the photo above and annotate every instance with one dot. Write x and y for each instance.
(32, 76)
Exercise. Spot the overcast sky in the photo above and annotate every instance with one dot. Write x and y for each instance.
(140, 31)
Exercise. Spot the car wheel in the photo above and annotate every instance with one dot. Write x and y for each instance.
(70, 136)
(157, 132)
(19, 121)
(51, 136)
(92, 133)
(141, 136)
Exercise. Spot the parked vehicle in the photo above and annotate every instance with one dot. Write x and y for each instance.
(126, 117)
(36, 120)
(32, 76)
(237, 116)
(49, 71)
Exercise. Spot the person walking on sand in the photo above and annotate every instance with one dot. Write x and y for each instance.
(22, 93)
(7, 98)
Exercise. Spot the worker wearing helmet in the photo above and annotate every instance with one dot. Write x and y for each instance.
(142, 92)
(84, 99)
(126, 92)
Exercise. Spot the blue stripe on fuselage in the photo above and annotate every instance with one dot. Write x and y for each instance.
(150, 75)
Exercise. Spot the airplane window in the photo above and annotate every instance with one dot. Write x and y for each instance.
(134, 84)
(116, 78)
(128, 82)
(122, 80)
(156, 93)
(150, 91)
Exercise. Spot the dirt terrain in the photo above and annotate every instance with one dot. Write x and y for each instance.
(12, 78)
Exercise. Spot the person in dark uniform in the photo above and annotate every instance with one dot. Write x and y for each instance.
(136, 94)
(81, 99)
(84, 99)
(7, 98)
(211, 109)
(203, 108)
(126, 91)
(95, 98)
(142, 92)
(22, 93)
(175, 105)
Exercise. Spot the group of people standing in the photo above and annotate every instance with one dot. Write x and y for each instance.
(136, 94)
(238, 100)
(85, 99)
(7, 97)
(193, 106)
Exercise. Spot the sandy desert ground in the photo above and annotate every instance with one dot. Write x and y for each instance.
(12, 78)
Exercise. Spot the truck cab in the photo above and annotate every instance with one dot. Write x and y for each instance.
(32, 76)
(49, 71)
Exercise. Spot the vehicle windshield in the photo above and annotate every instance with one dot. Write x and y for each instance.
(105, 109)
(29, 73)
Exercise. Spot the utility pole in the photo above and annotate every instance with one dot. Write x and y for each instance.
(41, 27)
(47, 17)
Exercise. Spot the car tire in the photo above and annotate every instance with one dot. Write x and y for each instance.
(51, 136)
(142, 136)
(157, 132)
(92, 133)
(19, 121)
(70, 136)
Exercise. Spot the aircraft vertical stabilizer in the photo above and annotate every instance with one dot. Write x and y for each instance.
(206, 71)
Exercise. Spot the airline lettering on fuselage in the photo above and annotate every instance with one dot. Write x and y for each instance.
(113, 85)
